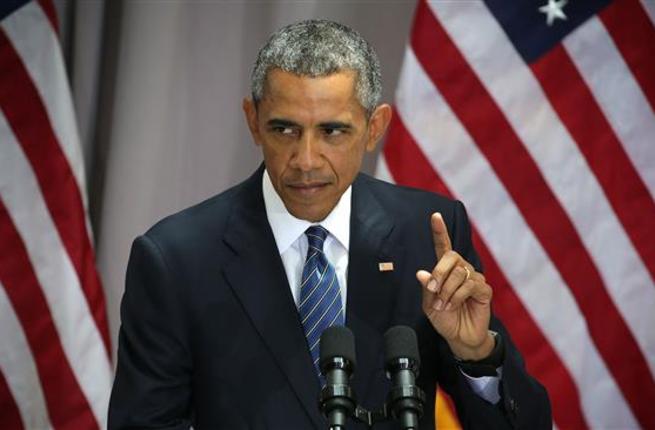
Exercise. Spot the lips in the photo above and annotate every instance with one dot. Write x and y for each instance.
(308, 188)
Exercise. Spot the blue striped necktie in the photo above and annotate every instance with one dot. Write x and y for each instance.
(320, 296)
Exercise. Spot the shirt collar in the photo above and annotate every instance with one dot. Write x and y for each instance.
(287, 228)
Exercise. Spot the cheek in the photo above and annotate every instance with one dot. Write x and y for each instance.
(348, 163)
(275, 158)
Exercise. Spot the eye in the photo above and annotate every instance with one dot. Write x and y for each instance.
(332, 132)
(287, 131)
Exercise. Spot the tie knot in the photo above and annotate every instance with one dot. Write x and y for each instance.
(316, 235)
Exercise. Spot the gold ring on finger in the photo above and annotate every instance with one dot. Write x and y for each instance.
(468, 273)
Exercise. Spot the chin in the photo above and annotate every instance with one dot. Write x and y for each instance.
(313, 215)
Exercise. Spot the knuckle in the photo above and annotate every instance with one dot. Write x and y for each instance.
(462, 295)
(489, 290)
(456, 299)
(451, 287)
(446, 292)
(466, 289)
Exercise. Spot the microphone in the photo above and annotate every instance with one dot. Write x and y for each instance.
(337, 363)
(402, 362)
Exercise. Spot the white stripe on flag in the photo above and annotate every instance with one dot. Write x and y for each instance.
(41, 54)
(536, 281)
(617, 92)
(649, 7)
(17, 364)
(79, 334)
(382, 170)
(490, 53)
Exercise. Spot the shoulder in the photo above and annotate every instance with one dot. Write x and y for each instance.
(201, 221)
(402, 201)
(410, 210)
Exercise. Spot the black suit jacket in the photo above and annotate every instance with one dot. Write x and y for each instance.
(210, 334)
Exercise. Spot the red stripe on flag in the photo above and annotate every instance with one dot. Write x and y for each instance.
(625, 191)
(21, 104)
(50, 11)
(634, 35)
(67, 406)
(9, 414)
(495, 137)
(406, 161)
(409, 166)
(528, 337)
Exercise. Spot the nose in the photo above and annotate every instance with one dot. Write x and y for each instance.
(308, 154)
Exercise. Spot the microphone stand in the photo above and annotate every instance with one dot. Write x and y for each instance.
(406, 399)
(337, 400)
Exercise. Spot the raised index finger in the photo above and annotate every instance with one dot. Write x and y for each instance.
(440, 236)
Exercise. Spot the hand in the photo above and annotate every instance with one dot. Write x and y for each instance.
(456, 298)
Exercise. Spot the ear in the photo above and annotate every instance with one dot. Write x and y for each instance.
(250, 111)
(377, 125)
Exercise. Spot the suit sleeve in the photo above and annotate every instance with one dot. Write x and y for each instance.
(152, 388)
(524, 402)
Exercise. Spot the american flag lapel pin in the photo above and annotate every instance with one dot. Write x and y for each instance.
(386, 266)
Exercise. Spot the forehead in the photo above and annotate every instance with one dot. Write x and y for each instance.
(331, 94)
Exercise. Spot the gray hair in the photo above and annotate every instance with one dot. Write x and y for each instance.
(319, 48)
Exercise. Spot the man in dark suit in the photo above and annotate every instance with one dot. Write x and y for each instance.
(224, 301)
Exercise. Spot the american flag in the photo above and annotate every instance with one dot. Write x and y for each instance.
(540, 117)
(55, 368)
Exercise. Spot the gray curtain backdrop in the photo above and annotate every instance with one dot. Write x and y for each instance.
(158, 86)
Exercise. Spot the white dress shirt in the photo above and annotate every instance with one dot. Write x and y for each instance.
(289, 233)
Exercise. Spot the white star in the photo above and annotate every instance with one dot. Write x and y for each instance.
(554, 10)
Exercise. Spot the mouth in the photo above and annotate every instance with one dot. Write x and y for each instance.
(307, 188)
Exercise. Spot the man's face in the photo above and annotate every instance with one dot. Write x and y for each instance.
(313, 133)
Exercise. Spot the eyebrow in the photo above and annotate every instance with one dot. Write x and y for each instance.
(336, 125)
(277, 122)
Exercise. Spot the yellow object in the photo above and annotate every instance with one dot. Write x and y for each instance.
(445, 416)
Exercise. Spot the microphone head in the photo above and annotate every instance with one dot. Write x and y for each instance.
(337, 341)
(401, 342)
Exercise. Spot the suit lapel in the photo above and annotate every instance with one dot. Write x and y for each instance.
(257, 277)
(370, 291)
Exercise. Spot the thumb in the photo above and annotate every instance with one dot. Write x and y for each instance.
(440, 236)
(427, 282)
(423, 277)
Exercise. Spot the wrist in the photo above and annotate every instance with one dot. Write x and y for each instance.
(487, 365)
(477, 353)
